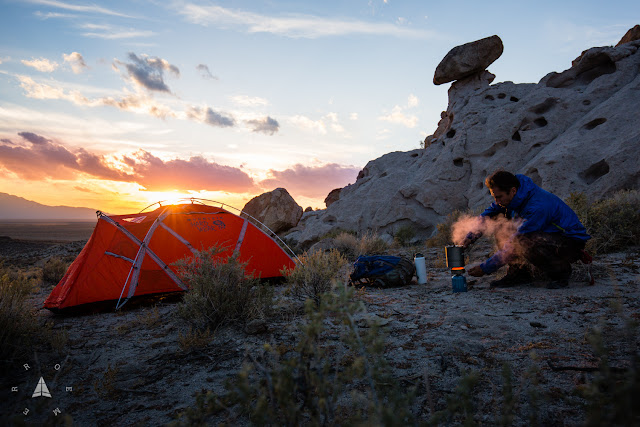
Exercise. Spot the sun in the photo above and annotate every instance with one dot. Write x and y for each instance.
(168, 197)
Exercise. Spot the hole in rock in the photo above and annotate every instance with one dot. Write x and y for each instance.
(595, 171)
(383, 175)
(514, 99)
(544, 106)
(451, 133)
(540, 122)
(516, 136)
(480, 185)
(502, 95)
(594, 123)
(494, 148)
(489, 97)
(458, 162)
(415, 155)
(586, 102)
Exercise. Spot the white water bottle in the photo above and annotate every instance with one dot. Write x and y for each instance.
(421, 269)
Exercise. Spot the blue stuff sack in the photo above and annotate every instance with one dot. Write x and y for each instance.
(383, 271)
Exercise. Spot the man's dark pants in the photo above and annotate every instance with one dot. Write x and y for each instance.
(552, 253)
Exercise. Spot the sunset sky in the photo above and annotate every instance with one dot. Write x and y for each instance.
(114, 105)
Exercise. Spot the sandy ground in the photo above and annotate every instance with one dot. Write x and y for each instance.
(127, 367)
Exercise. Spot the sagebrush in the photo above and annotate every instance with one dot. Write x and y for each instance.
(315, 274)
(220, 291)
(314, 385)
(613, 223)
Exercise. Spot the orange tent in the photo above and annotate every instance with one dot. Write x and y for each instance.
(132, 255)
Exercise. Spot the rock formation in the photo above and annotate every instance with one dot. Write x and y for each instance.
(574, 131)
(276, 209)
(468, 59)
(332, 197)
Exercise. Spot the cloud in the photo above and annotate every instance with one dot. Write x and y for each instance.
(76, 61)
(398, 114)
(210, 117)
(79, 8)
(37, 90)
(205, 73)
(294, 26)
(249, 101)
(266, 125)
(148, 72)
(109, 32)
(311, 181)
(41, 64)
(137, 103)
(197, 174)
(42, 158)
(306, 123)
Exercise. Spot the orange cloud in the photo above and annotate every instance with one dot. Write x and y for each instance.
(311, 181)
(41, 158)
(197, 174)
(45, 158)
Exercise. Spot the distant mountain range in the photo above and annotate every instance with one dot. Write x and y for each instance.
(19, 209)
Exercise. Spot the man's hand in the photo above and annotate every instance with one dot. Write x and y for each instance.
(475, 271)
(466, 242)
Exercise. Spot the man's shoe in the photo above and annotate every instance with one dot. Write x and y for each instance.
(558, 284)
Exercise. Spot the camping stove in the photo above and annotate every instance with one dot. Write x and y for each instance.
(455, 261)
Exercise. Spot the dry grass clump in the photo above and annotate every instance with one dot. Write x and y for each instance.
(404, 235)
(18, 324)
(372, 244)
(220, 292)
(443, 230)
(613, 223)
(315, 274)
(347, 244)
(53, 270)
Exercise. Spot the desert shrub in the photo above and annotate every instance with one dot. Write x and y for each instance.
(347, 244)
(404, 235)
(53, 270)
(613, 223)
(220, 292)
(313, 385)
(336, 232)
(443, 230)
(18, 324)
(314, 275)
(372, 244)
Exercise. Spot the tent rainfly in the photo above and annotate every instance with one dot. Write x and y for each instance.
(132, 255)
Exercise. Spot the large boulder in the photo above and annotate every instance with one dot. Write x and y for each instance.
(276, 209)
(332, 197)
(632, 35)
(468, 59)
(575, 131)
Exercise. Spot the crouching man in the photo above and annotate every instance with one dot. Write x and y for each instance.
(549, 238)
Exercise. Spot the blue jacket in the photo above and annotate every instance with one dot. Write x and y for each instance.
(540, 211)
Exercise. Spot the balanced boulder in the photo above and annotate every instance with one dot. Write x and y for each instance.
(468, 59)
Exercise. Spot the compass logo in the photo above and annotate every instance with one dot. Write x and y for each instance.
(41, 389)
